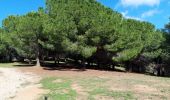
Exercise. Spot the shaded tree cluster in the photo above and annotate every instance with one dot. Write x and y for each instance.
(84, 31)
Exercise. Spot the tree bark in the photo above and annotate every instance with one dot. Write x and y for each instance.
(58, 61)
(37, 57)
(83, 65)
(113, 66)
(30, 61)
(55, 60)
(38, 62)
(128, 67)
(37, 54)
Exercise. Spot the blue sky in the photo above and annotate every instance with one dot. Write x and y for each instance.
(154, 11)
(18, 7)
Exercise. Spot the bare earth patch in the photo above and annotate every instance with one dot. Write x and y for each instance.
(99, 97)
(142, 87)
(32, 92)
(81, 94)
(58, 81)
(119, 88)
(16, 85)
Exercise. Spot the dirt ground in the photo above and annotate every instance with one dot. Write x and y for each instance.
(67, 72)
(16, 85)
(34, 83)
(143, 87)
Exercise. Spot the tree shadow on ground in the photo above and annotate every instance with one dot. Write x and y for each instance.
(61, 67)
(51, 66)
(74, 67)
(24, 64)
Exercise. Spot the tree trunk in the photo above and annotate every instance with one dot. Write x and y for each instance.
(83, 65)
(37, 54)
(113, 66)
(55, 60)
(128, 67)
(88, 64)
(30, 61)
(38, 62)
(37, 58)
(43, 59)
(10, 58)
(58, 61)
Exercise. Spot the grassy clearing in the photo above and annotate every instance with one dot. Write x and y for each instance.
(58, 90)
(102, 85)
(111, 94)
(7, 64)
(118, 88)
(15, 64)
(92, 87)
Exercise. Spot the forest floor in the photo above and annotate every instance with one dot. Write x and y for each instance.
(74, 84)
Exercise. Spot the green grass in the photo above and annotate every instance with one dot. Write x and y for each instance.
(125, 95)
(58, 91)
(97, 87)
(92, 86)
(7, 64)
(14, 64)
(103, 86)
(120, 68)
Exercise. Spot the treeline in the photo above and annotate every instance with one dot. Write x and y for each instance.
(86, 32)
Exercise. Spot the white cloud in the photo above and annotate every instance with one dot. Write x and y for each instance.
(149, 13)
(125, 14)
(137, 3)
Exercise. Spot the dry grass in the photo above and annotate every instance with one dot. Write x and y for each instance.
(103, 85)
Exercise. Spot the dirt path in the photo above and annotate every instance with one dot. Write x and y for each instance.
(15, 85)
